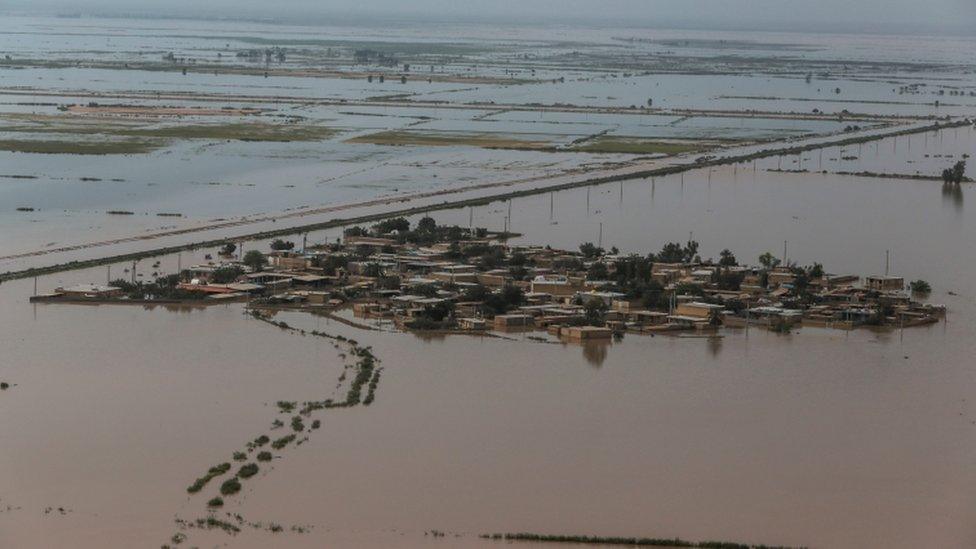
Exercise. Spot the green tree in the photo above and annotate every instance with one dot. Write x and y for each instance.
(920, 287)
(280, 245)
(373, 269)
(727, 258)
(427, 225)
(672, 252)
(226, 275)
(598, 271)
(399, 224)
(590, 250)
(768, 261)
(255, 260)
(595, 312)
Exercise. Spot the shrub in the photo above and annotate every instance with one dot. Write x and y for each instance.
(214, 471)
(282, 442)
(920, 287)
(248, 470)
(216, 502)
(230, 487)
(264, 456)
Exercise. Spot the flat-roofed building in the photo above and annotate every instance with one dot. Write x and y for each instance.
(885, 283)
(90, 291)
(512, 321)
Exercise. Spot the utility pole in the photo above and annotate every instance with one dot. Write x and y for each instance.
(600, 239)
(551, 204)
(887, 261)
(784, 253)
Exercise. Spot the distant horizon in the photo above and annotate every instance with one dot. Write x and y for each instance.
(295, 14)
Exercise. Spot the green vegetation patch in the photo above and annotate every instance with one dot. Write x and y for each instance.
(282, 442)
(230, 487)
(449, 139)
(38, 146)
(248, 471)
(637, 145)
(55, 134)
(214, 471)
(241, 131)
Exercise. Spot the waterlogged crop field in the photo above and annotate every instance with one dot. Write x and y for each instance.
(289, 429)
(215, 121)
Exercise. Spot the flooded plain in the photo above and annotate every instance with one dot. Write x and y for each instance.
(822, 438)
(488, 102)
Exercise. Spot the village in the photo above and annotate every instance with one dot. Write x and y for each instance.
(452, 279)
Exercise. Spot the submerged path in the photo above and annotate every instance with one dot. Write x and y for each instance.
(410, 102)
(476, 195)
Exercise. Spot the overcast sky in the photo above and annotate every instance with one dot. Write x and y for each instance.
(814, 14)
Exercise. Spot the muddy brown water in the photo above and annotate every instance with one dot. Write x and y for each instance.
(823, 438)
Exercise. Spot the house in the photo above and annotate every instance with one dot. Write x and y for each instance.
(453, 277)
(697, 310)
(585, 333)
(606, 297)
(311, 281)
(512, 321)
(90, 291)
(472, 323)
(625, 305)
(289, 261)
(885, 283)
(778, 278)
(495, 278)
(646, 318)
(556, 286)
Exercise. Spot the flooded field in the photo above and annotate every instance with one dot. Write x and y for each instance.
(827, 438)
(143, 116)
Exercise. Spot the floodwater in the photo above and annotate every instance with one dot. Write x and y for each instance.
(208, 180)
(823, 438)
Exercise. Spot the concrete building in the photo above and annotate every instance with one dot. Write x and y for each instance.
(885, 283)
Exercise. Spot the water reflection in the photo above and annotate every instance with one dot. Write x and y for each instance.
(714, 346)
(952, 192)
(595, 352)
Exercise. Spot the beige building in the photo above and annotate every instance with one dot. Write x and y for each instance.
(885, 283)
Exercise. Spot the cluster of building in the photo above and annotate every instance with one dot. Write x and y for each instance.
(441, 286)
